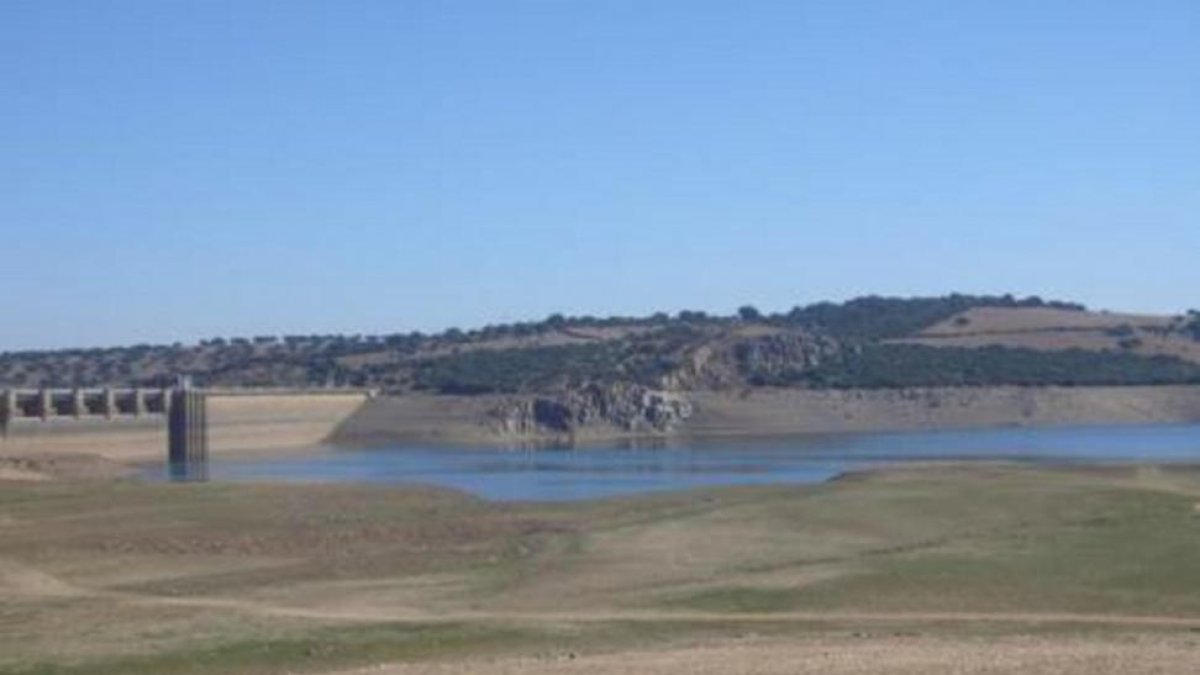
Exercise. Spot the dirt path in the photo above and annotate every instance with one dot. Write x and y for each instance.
(599, 616)
(851, 656)
(17, 579)
(20, 580)
(876, 648)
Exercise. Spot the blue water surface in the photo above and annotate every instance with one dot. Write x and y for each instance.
(595, 472)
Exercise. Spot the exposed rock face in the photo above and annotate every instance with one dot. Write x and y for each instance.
(738, 359)
(628, 408)
(770, 357)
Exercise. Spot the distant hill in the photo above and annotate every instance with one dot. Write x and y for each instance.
(870, 342)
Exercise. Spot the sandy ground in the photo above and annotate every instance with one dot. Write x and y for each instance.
(68, 467)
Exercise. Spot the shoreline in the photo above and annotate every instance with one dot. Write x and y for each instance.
(669, 441)
(261, 426)
(464, 420)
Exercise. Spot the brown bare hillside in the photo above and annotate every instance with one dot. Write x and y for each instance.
(1024, 319)
(1049, 329)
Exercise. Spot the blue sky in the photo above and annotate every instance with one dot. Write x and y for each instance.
(179, 170)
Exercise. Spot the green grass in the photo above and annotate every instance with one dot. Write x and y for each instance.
(1101, 550)
(333, 647)
(739, 600)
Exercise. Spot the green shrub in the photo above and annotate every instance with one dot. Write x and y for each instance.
(899, 366)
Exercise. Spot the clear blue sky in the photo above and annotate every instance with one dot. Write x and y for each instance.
(178, 170)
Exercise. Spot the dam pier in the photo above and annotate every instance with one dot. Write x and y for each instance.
(179, 423)
(187, 435)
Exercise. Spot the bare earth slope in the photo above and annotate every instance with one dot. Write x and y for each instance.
(1051, 329)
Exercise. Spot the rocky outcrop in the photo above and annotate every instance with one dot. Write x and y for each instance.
(772, 357)
(744, 357)
(624, 408)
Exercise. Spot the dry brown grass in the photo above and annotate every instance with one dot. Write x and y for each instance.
(990, 564)
(1056, 329)
(1023, 319)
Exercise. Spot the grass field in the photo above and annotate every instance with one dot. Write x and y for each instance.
(924, 569)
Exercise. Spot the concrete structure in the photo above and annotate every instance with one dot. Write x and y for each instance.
(8, 408)
(106, 421)
(18, 405)
(187, 435)
(44, 404)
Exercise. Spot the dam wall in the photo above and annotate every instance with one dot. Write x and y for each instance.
(262, 422)
(238, 422)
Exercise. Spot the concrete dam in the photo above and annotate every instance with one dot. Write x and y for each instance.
(131, 424)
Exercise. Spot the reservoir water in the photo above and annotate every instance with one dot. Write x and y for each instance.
(594, 472)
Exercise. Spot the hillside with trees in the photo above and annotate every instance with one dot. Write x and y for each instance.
(869, 342)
